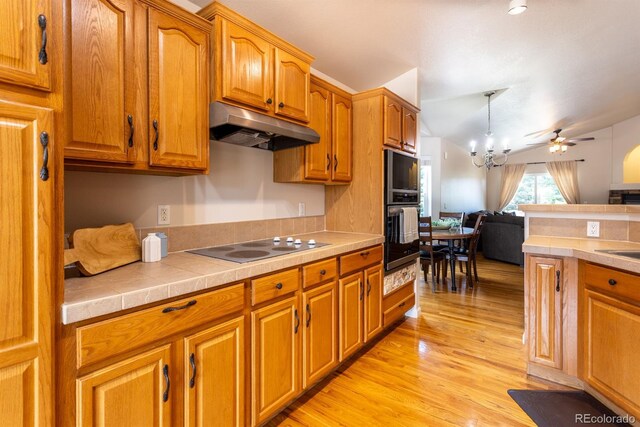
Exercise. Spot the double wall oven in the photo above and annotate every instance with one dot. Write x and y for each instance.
(401, 197)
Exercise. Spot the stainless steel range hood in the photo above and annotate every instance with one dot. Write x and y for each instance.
(243, 127)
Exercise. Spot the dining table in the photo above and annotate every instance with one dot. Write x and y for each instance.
(450, 236)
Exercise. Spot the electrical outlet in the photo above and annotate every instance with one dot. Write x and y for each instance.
(302, 210)
(593, 229)
(164, 215)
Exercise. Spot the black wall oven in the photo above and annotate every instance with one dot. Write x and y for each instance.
(401, 191)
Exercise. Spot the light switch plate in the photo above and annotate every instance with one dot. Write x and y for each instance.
(593, 229)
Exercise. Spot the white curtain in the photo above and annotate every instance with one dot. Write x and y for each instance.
(511, 177)
(565, 174)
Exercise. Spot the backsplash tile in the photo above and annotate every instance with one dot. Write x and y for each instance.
(634, 231)
(577, 228)
(200, 236)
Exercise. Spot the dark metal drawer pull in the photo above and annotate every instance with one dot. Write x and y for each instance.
(42, 55)
(281, 105)
(130, 121)
(278, 285)
(612, 282)
(365, 254)
(295, 314)
(557, 280)
(335, 163)
(328, 161)
(269, 101)
(361, 290)
(192, 362)
(402, 305)
(155, 140)
(165, 372)
(368, 287)
(308, 315)
(323, 272)
(182, 307)
(44, 170)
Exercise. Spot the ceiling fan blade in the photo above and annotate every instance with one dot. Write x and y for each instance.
(568, 144)
(580, 139)
(538, 144)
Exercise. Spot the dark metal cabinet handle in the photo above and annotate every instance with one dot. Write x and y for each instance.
(335, 163)
(295, 314)
(402, 305)
(368, 287)
(42, 55)
(361, 290)
(364, 254)
(167, 382)
(192, 362)
(323, 272)
(182, 307)
(44, 170)
(328, 161)
(269, 101)
(281, 105)
(557, 280)
(278, 285)
(612, 282)
(130, 121)
(308, 315)
(155, 140)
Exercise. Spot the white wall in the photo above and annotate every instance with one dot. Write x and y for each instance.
(239, 187)
(457, 185)
(405, 86)
(601, 171)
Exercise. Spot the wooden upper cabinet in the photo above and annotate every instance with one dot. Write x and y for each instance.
(392, 122)
(545, 312)
(292, 79)
(24, 46)
(26, 269)
(178, 107)
(246, 66)
(317, 157)
(409, 130)
(342, 136)
(137, 388)
(351, 296)
(275, 375)
(373, 279)
(214, 376)
(103, 92)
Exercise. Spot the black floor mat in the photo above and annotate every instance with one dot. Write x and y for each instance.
(565, 408)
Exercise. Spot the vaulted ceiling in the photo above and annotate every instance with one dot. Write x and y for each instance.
(563, 63)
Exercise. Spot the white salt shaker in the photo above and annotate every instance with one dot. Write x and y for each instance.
(151, 248)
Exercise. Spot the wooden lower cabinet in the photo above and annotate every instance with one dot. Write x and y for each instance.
(137, 390)
(545, 284)
(373, 278)
(351, 314)
(275, 378)
(320, 333)
(214, 376)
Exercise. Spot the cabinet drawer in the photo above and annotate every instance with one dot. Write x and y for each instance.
(359, 260)
(397, 296)
(398, 310)
(319, 272)
(115, 336)
(613, 281)
(274, 285)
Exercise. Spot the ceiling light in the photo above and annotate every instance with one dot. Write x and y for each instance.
(516, 7)
(489, 159)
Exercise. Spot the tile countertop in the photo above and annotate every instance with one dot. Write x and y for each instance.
(585, 249)
(182, 273)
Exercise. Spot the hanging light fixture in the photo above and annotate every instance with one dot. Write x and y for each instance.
(516, 7)
(490, 158)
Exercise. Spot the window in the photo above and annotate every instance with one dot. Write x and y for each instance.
(537, 188)
(425, 187)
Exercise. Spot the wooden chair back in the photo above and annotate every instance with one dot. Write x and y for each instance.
(475, 238)
(425, 231)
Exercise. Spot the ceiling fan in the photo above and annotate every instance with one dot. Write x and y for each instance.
(559, 143)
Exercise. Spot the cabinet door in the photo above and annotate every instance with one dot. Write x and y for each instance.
(103, 93)
(275, 357)
(409, 130)
(342, 136)
(178, 93)
(246, 73)
(23, 45)
(392, 123)
(136, 389)
(317, 157)
(612, 349)
(292, 81)
(545, 311)
(320, 333)
(350, 322)
(25, 266)
(214, 379)
(372, 302)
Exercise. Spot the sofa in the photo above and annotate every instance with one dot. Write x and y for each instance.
(502, 236)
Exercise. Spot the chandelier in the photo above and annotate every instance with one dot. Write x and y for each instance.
(490, 158)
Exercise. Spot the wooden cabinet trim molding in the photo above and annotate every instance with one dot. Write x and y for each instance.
(178, 12)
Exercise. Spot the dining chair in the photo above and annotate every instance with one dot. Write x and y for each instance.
(468, 255)
(429, 257)
(455, 215)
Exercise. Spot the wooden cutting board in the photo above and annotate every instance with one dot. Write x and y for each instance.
(96, 250)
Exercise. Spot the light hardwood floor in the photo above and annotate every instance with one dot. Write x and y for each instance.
(450, 367)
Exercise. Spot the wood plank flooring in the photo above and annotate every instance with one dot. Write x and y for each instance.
(450, 367)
